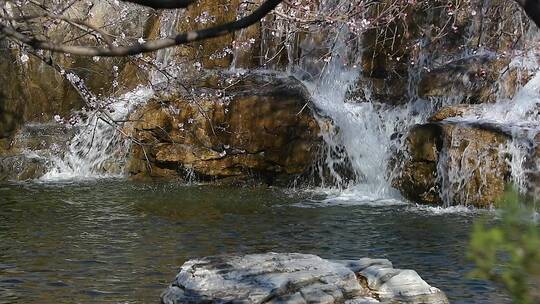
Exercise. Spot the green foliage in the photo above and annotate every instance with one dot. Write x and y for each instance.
(507, 252)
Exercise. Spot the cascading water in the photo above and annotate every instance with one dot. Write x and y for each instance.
(520, 118)
(367, 133)
(366, 136)
(164, 57)
(99, 148)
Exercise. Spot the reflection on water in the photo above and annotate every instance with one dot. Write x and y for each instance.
(113, 241)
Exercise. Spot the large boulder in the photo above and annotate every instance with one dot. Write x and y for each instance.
(476, 79)
(254, 125)
(454, 163)
(297, 278)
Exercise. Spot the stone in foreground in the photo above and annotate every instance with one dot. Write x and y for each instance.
(296, 278)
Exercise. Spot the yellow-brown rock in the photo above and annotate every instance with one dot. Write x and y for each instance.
(471, 80)
(33, 91)
(451, 111)
(260, 126)
(454, 164)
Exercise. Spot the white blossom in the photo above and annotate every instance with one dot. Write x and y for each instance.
(24, 58)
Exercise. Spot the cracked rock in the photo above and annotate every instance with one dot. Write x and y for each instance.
(297, 278)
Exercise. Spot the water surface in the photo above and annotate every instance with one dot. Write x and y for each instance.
(123, 242)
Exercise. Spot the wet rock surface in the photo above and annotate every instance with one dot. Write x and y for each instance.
(22, 167)
(255, 126)
(296, 278)
(454, 163)
(472, 80)
(452, 112)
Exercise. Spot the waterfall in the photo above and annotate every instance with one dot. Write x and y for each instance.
(99, 149)
(164, 57)
(520, 118)
(367, 134)
(359, 158)
(362, 137)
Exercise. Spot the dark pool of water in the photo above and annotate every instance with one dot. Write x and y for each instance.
(122, 242)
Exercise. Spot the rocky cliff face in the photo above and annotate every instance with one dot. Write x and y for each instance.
(35, 85)
(248, 126)
(452, 49)
(31, 92)
(216, 127)
(390, 60)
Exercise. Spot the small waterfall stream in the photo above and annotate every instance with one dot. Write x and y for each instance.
(367, 134)
(364, 133)
(99, 149)
(520, 118)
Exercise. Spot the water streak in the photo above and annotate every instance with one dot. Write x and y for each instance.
(99, 149)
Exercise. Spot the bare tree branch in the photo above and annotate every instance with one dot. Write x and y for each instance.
(149, 46)
(158, 4)
(76, 22)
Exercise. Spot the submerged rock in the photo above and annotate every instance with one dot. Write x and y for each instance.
(253, 126)
(22, 167)
(296, 278)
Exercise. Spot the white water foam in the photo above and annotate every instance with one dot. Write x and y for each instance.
(367, 135)
(347, 198)
(99, 148)
(440, 210)
(519, 114)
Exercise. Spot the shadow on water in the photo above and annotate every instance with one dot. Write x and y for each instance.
(113, 241)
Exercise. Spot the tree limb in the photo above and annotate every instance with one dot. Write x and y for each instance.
(149, 46)
(158, 4)
(76, 22)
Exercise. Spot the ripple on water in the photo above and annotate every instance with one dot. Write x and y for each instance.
(117, 241)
